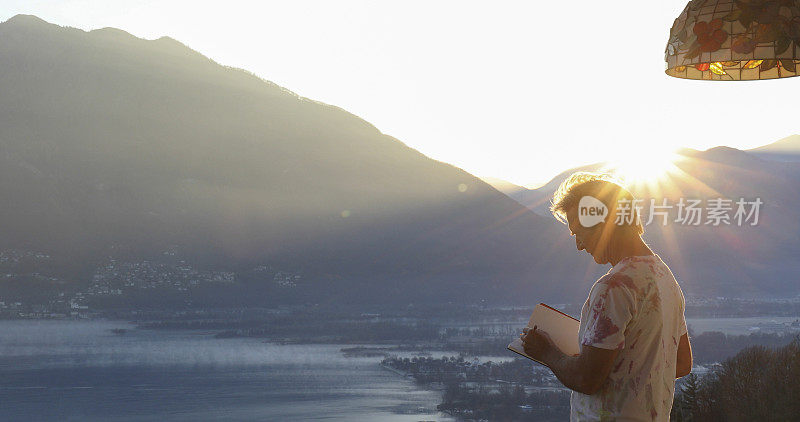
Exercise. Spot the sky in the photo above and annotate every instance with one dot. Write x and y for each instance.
(516, 90)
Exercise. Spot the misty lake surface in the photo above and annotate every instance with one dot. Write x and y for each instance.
(742, 326)
(731, 326)
(82, 371)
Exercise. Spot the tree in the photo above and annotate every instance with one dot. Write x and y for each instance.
(685, 406)
(758, 383)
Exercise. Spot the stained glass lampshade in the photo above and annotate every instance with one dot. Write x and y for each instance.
(731, 40)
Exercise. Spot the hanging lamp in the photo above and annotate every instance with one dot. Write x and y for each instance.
(731, 40)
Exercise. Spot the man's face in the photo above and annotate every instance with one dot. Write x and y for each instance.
(585, 238)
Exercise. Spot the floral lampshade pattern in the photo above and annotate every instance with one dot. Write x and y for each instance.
(729, 40)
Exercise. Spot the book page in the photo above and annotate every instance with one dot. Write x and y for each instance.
(562, 329)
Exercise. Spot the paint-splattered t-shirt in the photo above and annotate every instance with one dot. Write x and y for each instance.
(637, 308)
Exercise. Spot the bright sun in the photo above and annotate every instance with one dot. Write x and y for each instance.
(643, 169)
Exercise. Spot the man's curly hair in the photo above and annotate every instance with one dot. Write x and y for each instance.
(604, 187)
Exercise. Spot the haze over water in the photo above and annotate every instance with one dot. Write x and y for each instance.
(80, 370)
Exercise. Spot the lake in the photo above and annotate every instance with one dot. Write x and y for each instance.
(82, 371)
(740, 326)
(732, 326)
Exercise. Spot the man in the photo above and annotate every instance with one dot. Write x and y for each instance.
(633, 335)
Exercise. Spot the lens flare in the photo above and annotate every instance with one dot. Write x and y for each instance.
(643, 168)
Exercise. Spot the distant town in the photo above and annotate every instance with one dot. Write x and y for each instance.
(117, 278)
(114, 277)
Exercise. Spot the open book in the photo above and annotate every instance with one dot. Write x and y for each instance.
(562, 329)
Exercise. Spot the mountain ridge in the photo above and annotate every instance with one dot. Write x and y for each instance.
(789, 143)
(785, 150)
(131, 148)
(146, 147)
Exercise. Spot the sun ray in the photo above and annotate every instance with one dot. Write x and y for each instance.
(638, 169)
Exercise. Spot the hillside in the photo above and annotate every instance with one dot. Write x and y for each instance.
(115, 145)
(786, 149)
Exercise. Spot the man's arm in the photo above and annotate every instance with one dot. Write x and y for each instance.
(584, 373)
(683, 363)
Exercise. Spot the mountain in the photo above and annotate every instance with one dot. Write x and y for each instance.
(119, 149)
(117, 146)
(504, 186)
(538, 200)
(725, 260)
(786, 149)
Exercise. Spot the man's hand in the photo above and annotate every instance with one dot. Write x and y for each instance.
(584, 373)
(537, 344)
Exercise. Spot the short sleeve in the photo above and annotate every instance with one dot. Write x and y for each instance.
(611, 307)
(682, 328)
